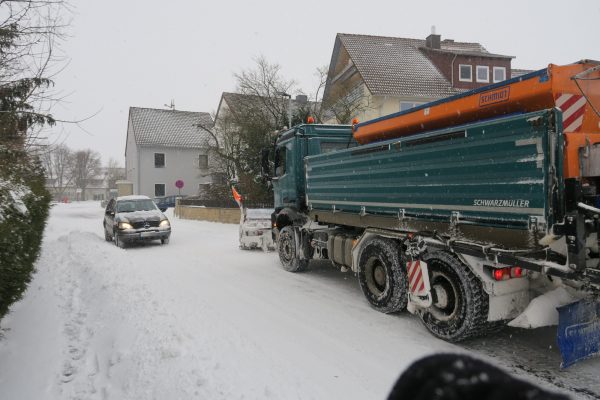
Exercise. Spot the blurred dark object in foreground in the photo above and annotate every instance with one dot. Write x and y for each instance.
(460, 377)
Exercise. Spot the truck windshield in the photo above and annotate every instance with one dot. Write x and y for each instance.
(135, 205)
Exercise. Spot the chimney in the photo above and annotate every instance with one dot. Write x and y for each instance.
(433, 41)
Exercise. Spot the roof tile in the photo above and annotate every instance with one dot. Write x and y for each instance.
(169, 128)
(392, 66)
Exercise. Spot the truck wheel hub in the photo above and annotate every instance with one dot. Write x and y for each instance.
(441, 296)
(379, 275)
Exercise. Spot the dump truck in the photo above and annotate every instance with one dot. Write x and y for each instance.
(461, 210)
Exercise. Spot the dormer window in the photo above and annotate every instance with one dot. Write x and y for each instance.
(483, 74)
(499, 74)
(465, 73)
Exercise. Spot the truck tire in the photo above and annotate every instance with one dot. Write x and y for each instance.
(382, 276)
(460, 305)
(288, 251)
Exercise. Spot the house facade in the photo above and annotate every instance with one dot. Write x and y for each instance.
(383, 75)
(165, 147)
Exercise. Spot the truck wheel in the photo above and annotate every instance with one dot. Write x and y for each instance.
(460, 306)
(288, 251)
(382, 275)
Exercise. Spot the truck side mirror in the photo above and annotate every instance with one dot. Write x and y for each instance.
(264, 164)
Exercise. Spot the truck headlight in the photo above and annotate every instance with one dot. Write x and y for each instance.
(164, 223)
(125, 225)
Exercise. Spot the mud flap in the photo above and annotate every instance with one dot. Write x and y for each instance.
(579, 331)
(419, 289)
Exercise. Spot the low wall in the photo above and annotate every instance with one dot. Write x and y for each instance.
(213, 214)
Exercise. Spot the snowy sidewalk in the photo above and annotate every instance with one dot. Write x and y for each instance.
(199, 318)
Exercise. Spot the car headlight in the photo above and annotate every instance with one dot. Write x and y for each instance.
(125, 225)
(164, 223)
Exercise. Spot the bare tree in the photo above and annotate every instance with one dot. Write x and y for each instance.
(85, 167)
(264, 88)
(114, 173)
(57, 162)
(259, 108)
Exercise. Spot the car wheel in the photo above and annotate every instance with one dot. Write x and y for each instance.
(164, 241)
(107, 236)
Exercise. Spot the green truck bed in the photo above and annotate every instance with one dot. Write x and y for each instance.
(491, 181)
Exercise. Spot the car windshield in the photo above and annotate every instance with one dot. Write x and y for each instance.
(125, 206)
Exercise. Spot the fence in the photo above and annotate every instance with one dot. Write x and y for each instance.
(226, 211)
(225, 203)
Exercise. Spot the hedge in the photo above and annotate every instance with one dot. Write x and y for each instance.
(24, 205)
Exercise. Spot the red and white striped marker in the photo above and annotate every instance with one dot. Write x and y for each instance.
(418, 278)
(573, 108)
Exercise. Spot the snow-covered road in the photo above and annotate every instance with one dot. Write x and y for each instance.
(199, 318)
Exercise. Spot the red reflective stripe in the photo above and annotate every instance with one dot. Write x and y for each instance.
(422, 288)
(416, 282)
(567, 123)
(572, 100)
(412, 269)
(414, 276)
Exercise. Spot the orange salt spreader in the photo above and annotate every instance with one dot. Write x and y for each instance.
(573, 88)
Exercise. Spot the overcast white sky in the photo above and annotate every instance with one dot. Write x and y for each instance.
(145, 52)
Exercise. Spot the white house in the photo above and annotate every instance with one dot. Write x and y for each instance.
(166, 146)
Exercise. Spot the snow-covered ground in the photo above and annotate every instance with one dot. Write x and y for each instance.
(199, 318)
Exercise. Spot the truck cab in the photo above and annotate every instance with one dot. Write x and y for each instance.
(291, 147)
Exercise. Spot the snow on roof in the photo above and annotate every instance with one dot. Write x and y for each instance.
(169, 128)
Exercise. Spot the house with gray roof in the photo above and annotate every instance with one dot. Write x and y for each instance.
(166, 146)
(380, 75)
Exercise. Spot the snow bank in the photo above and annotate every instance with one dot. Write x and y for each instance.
(542, 310)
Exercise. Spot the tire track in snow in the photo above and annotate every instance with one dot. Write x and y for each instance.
(534, 352)
(120, 342)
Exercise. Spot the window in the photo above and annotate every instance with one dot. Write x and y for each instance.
(407, 105)
(280, 161)
(499, 74)
(465, 74)
(159, 190)
(203, 161)
(327, 147)
(483, 74)
(159, 160)
(203, 188)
